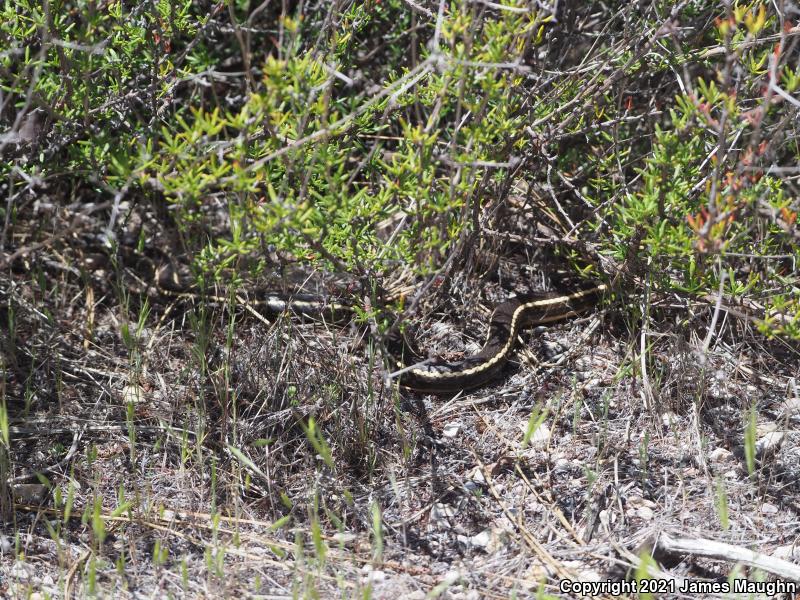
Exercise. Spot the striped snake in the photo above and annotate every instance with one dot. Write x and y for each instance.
(437, 376)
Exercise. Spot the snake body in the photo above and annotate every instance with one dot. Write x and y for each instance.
(508, 318)
(436, 376)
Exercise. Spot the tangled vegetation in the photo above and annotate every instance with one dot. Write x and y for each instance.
(653, 147)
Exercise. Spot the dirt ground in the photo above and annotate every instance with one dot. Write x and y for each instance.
(166, 447)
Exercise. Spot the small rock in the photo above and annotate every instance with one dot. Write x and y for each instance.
(451, 430)
(540, 436)
(588, 575)
(768, 509)
(377, 576)
(482, 539)
(561, 465)
(644, 512)
(371, 575)
(670, 419)
(552, 349)
(473, 487)
(344, 538)
(791, 406)
(477, 476)
(593, 383)
(607, 519)
(450, 578)
(769, 443)
(132, 394)
(20, 570)
(29, 493)
(440, 515)
(765, 428)
(533, 577)
(718, 455)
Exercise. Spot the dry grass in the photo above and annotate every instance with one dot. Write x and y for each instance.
(183, 460)
(154, 446)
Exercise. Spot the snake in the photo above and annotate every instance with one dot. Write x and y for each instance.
(508, 318)
(434, 376)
